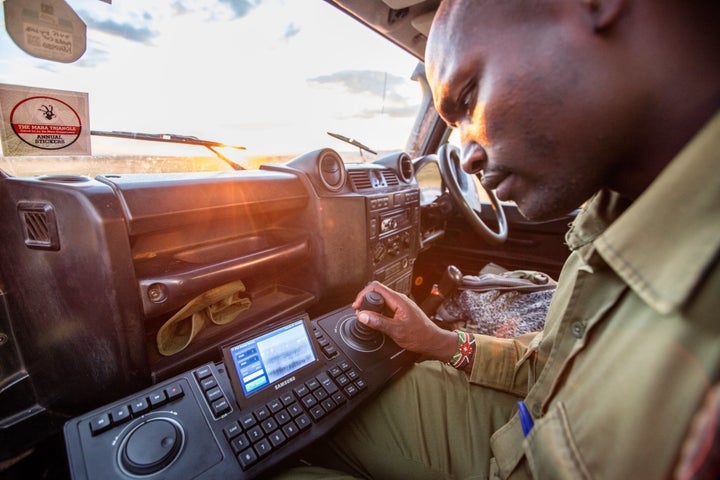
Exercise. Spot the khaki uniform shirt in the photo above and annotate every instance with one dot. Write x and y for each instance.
(631, 346)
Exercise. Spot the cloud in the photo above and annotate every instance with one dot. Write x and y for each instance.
(393, 111)
(92, 57)
(373, 82)
(385, 87)
(291, 31)
(125, 29)
(241, 7)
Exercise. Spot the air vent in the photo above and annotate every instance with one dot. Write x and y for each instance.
(39, 225)
(360, 179)
(331, 170)
(406, 169)
(391, 179)
(373, 179)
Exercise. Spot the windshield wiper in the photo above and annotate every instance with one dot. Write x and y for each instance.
(175, 138)
(352, 142)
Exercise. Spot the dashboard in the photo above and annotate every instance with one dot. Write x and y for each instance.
(119, 255)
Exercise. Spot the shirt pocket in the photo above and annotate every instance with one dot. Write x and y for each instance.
(551, 450)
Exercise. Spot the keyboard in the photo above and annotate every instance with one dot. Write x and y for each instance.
(276, 391)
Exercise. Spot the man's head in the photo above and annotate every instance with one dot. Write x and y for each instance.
(555, 99)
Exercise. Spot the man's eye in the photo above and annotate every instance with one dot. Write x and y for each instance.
(467, 101)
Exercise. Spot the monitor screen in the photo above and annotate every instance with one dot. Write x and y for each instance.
(268, 358)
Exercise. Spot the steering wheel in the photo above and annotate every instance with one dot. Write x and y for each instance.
(465, 196)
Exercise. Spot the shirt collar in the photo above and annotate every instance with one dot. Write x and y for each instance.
(663, 243)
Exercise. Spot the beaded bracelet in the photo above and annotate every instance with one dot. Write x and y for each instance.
(466, 347)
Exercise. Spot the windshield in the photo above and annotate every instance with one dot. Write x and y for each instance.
(271, 76)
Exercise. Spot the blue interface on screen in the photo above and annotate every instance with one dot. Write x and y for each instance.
(264, 359)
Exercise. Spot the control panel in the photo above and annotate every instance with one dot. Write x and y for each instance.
(393, 236)
(276, 391)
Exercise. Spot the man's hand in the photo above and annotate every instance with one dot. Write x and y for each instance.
(409, 327)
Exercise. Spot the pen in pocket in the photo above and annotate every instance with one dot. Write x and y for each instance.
(526, 420)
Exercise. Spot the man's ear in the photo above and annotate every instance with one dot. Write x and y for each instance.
(604, 13)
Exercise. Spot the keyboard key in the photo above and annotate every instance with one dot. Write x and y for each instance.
(309, 401)
(247, 458)
(269, 425)
(231, 431)
(239, 443)
(328, 404)
(303, 421)
(351, 390)
(263, 447)
(290, 430)
(255, 433)
(277, 438)
(295, 409)
(339, 398)
(327, 383)
(248, 420)
(275, 405)
(301, 391)
(283, 417)
(317, 412)
(320, 394)
(261, 413)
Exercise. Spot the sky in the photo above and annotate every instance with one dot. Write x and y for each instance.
(272, 75)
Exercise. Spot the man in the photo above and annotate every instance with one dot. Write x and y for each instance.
(559, 102)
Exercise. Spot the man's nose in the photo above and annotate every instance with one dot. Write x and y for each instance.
(474, 157)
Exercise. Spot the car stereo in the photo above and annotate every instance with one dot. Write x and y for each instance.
(277, 390)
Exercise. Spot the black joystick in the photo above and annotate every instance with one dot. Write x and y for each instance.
(374, 302)
(358, 335)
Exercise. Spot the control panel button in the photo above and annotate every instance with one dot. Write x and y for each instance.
(208, 383)
(139, 406)
(203, 372)
(213, 394)
(120, 414)
(174, 392)
(220, 406)
(100, 423)
(157, 398)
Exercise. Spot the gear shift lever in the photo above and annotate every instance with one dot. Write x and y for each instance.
(449, 283)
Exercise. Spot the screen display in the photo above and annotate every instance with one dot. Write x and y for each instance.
(261, 361)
